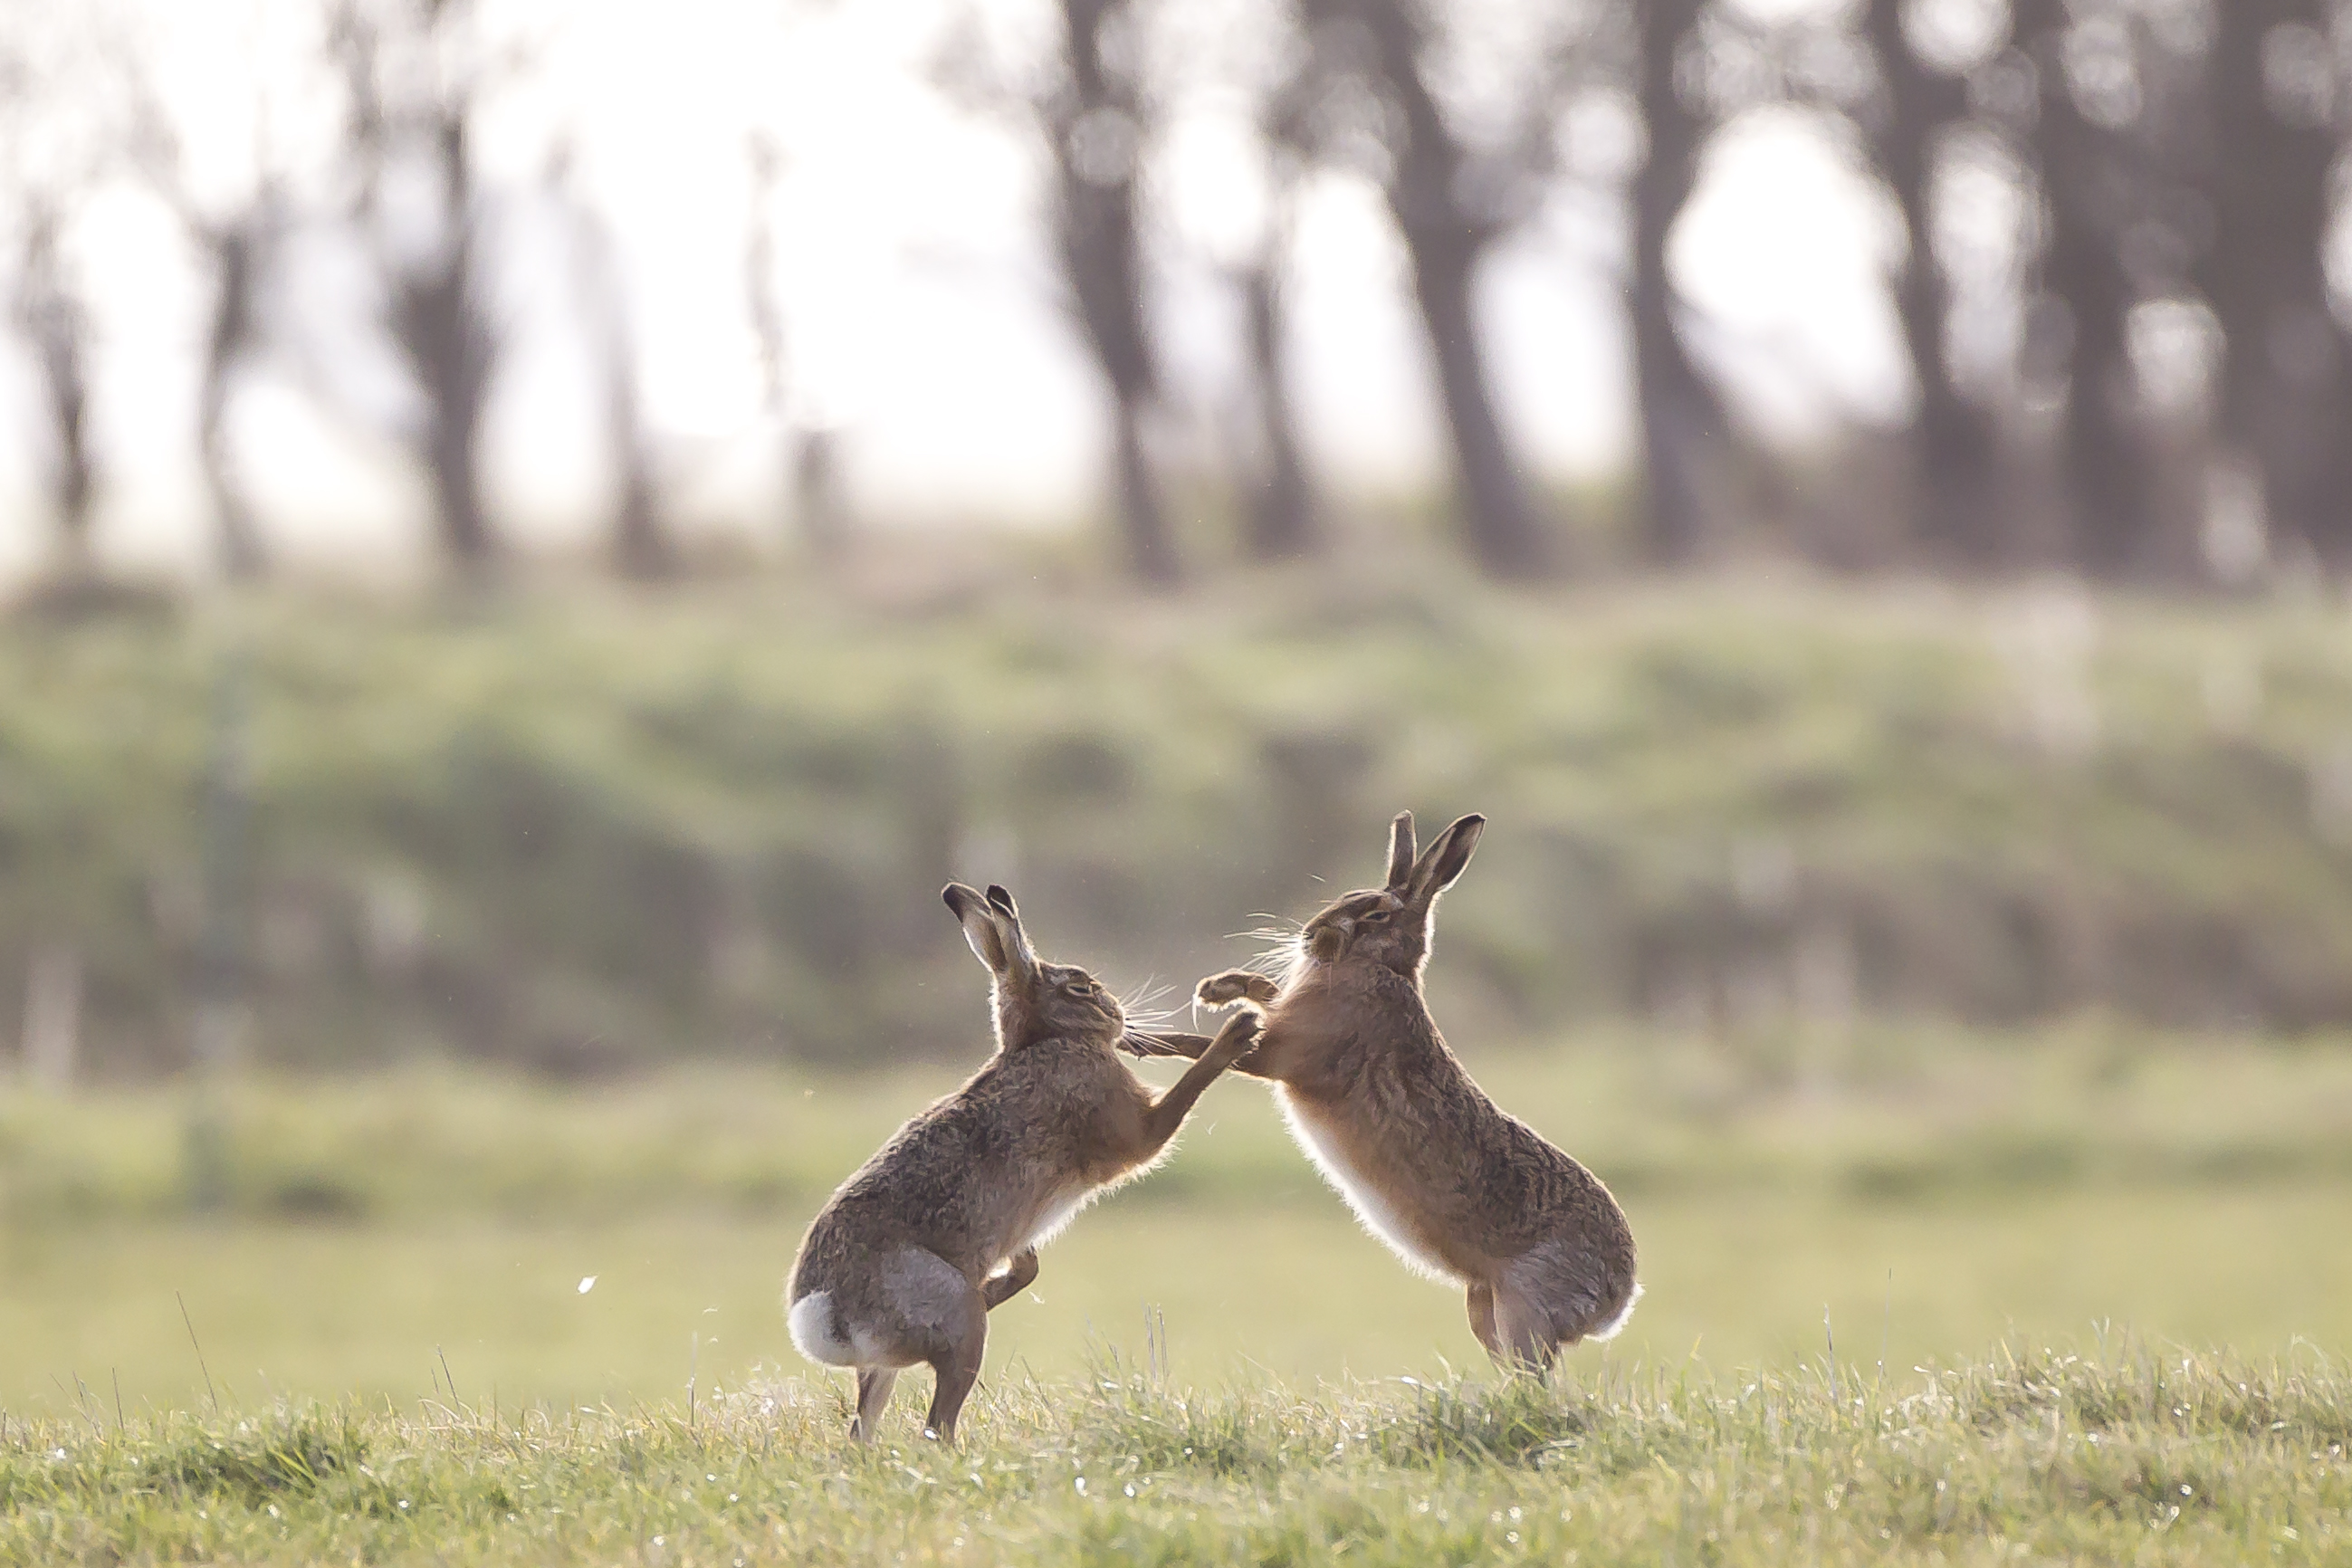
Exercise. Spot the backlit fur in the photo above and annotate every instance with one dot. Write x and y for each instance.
(1460, 1189)
(942, 1223)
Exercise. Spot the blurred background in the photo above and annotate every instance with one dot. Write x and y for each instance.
(537, 537)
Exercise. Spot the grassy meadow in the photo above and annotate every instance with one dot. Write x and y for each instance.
(2120, 1454)
(2087, 1288)
(592, 943)
(1929, 1193)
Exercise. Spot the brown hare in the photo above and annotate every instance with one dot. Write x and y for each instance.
(1458, 1188)
(902, 1265)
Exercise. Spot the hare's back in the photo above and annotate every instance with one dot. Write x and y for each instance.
(961, 1143)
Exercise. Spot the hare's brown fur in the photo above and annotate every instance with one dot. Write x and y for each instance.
(1458, 1187)
(902, 1265)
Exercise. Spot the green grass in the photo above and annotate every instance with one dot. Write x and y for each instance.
(388, 1311)
(2117, 1454)
(1928, 1192)
(582, 830)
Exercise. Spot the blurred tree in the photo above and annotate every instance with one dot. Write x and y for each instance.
(1096, 122)
(416, 73)
(51, 155)
(1954, 446)
(2095, 187)
(1376, 103)
(47, 310)
(1282, 517)
(1681, 415)
(236, 243)
(643, 547)
(2273, 94)
(813, 476)
(1093, 107)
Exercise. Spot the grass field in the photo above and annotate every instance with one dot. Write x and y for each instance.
(2121, 1454)
(388, 1307)
(1929, 1193)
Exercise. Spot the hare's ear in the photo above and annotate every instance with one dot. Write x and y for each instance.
(981, 927)
(1008, 917)
(1447, 859)
(1399, 851)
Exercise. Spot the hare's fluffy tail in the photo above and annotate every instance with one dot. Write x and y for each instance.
(1616, 1325)
(811, 1318)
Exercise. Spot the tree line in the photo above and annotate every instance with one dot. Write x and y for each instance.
(2144, 379)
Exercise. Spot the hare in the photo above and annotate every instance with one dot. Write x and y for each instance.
(902, 1265)
(1457, 1188)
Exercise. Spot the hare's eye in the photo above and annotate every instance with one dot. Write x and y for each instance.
(1375, 915)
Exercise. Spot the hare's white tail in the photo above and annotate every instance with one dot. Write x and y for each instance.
(811, 1325)
(1616, 1325)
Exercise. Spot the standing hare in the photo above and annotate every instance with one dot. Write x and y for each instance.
(1458, 1188)
(902, 1265)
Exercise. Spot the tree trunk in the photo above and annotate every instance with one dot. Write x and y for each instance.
(641, 544)
(1445, 235)
(1681, 415)
(1101, 246)
(242, 558)
(1498, 517)
(453, 460)
(1282, 518)
(2283, 398)
(449, 330)
(824, 516)
(2091, 189)
(58, 329)
(1954, 448)
(2107, 463)
(1143, 524)
(73, 475)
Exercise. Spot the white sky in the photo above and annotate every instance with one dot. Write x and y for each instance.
(921, 303)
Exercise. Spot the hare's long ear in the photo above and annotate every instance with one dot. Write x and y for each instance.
(1446, 860)
(1008, 918)
(1399, 852)
(982, 926)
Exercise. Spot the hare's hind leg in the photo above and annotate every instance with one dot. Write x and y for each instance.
(1524, 1340)
(957, 1365)
(934, 1314)
(873, 1386)
(1482, 1320)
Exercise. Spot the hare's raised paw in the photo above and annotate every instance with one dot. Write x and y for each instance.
(1235, 985)
(1235, 1040)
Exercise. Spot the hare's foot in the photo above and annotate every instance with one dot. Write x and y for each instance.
(1482, 1320)
(1524, 1340)
(874, 1384)
(1235, 985)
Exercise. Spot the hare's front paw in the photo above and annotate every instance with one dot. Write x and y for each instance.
(1235, 985)
(1236, 1039)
